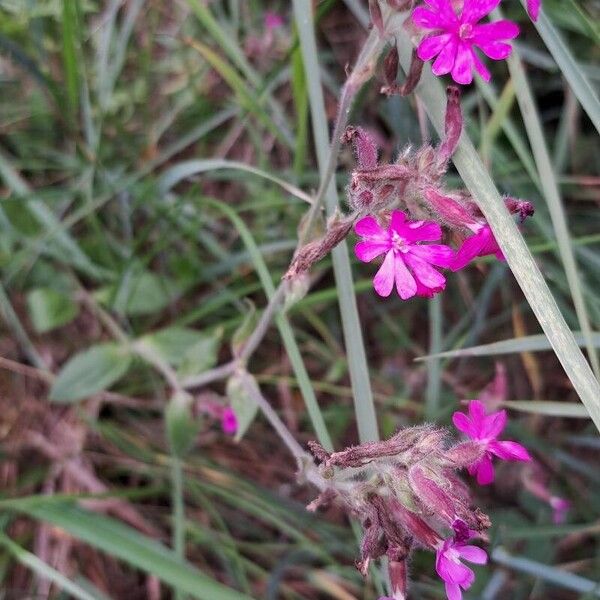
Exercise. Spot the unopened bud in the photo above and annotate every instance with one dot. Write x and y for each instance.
(365, 147)
(390, 66)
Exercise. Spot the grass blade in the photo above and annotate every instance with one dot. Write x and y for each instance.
(573, 73)
(548, 408)
(357, 360)
(530, 343)
(123, 542)
(547, 573)
(43, 570)
(549, 184)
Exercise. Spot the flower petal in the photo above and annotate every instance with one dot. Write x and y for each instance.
(424, 272)
(462, 71)
(509, 451)
(464, 424)
(495, 50)
(475, 10)
(494, 32)
(473, 554)
(485, 471)
(383, 282)
(422, 231)
(470, 249)
(398, 221)
(481, 68)
(493, 425)
(435, 254)
(368, 227)
(445, 61)
(368, 250)
(453, 591)
(406, 286)
(426, 19)
(432, 46)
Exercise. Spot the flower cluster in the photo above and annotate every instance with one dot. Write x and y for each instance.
(414, 184)
(455, 32)
(408, 495)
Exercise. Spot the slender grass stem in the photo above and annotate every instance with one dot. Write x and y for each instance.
(178, 508)
(357, 361)
(551, 192)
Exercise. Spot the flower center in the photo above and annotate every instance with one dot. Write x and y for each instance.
(399, 243)
(465, 31)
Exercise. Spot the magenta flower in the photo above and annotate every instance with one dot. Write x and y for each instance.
(455, 37)
(485, 429)
(450, 568)
(533, 9)
(407, 263)
(481, 243)
(229, 423)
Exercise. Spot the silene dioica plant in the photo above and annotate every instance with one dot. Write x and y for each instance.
(408, 492)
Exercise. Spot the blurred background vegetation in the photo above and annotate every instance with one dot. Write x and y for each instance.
(122, 222)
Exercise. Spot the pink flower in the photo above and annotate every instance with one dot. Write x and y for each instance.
(455, 36)
(481, 243)
(533, 9)
(273, 20)
(407, 263)
(450, 568)
(229, 422)
(485, 429)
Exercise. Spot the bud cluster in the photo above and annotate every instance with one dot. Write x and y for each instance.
(405, 490)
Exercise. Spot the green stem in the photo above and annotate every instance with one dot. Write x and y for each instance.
(178, 535)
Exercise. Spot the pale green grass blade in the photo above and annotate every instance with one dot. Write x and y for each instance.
(570, 68)
(125, 543)
(518, 256)
(172, 176)
(547, 573)
(548, 408)
(530, 343)
(549, 184)
(434, 368)
(43, 570)
(357, 360)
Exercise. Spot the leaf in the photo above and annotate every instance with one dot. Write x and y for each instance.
(172, 343)
(242, 403)
(90, 372)
(124, 543)
(49, 308)
(201, 356)
(551, 409)
(181, 427)
(145, 294)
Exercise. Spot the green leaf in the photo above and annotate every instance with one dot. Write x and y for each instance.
(181, 427)
(242, 403)
(201, 356)
(124, 543)
(173, 343)
(49, 308)
(141, 293)
(90, 372)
